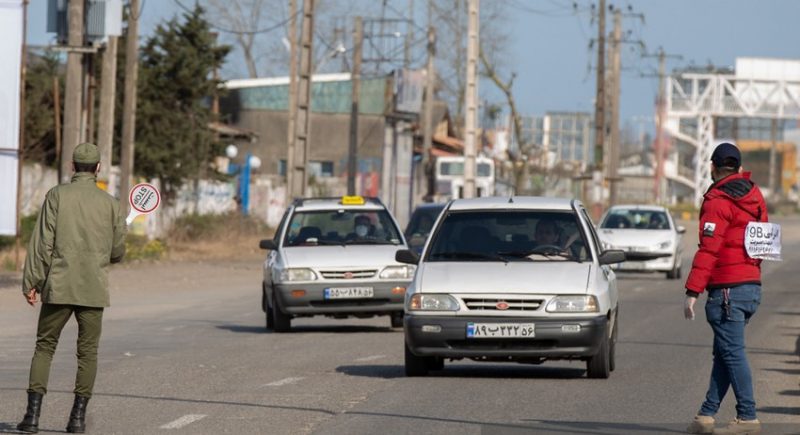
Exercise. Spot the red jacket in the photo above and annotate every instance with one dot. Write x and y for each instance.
(721, 260)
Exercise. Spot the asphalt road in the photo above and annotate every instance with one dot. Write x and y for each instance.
(184, 350)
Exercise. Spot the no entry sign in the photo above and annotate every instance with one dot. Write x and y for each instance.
(144, 199)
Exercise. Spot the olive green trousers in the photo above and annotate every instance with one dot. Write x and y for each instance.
(52, 319)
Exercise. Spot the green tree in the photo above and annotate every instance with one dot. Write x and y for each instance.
(39, 144)
(173, 142)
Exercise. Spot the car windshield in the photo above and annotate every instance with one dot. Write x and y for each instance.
(341, 227)
(509, 236)
(422, 221)
(626, 218)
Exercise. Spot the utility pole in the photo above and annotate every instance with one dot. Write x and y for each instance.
(599, 114)
(105, 128)
(57, 122)
(409, 36)
(614, 146)
(303, 120)
(129, 104)
(73, 97)
(355, 80)
(292, 108)
(427, 116)
(470, 142)
(773, 193)
(661, 107)
(23, 71)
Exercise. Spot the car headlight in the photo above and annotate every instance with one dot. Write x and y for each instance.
(573, 304)
(297, 274)
(665, 245)
(398, 272)
(432, 302)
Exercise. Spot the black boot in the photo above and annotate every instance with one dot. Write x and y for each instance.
(77, 418)
(30, 423)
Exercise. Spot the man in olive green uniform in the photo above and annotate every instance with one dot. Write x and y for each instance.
(79, 232)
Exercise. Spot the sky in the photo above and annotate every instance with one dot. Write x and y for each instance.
(549, 42)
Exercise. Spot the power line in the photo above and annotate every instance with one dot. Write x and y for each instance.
(242, 32)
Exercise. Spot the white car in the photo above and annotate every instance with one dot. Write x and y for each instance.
(334, 257)
(648, 235)
(519, 279)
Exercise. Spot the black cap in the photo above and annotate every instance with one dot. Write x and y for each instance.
(726, 151)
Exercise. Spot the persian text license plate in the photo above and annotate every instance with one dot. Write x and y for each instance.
(500, 330)
(348, 292)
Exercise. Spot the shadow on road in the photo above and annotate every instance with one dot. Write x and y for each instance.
(8, 428)
(465, 371)
(790, 393)
(250, 329)
(788, 410)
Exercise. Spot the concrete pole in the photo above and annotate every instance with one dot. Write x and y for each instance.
(599, 114)
(773, 157)
(427, 117)
(292, 107)
(471, 116)
(129, 105)
(105, 128)
(659, 151)
(73, 97)
(355, 80)
(23, 71)
(614, 146)
(303, 121)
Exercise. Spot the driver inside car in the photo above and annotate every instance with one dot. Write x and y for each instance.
(546, 233)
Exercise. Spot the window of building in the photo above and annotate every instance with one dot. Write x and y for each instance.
(320, 168)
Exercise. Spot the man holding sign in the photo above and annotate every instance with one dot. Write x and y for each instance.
(79, 232)
(734, 238)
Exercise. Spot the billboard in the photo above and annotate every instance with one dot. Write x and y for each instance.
(11, 25)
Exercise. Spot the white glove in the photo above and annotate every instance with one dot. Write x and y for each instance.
(688, 307)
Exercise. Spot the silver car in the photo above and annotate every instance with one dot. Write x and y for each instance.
(334, 257)
(648, 235)
(519, 279)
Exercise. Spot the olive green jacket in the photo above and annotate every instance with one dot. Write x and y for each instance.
(79, 232)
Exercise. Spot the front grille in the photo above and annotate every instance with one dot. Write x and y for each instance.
(345, 274)
(480, 304)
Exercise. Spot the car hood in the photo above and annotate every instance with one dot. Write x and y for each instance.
(547, 277)
(317, 257)
(628, 237)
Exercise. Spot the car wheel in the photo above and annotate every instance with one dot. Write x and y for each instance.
(280, 322)
(436, 363)
(396, 319)
(416, 365)
(599, 365)
(612, 353)
(268, 309)
(675, 273)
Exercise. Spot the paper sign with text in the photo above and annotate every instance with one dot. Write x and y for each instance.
(763, 240)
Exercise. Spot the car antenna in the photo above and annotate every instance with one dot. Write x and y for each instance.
(510, 199)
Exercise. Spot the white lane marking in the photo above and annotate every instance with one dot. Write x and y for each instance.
(183, 421)
(282, 382)
(128, 354)
(370, 358)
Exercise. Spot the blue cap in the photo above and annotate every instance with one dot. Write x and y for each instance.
(726, 151)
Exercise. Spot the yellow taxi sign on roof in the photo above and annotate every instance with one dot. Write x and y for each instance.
(353, 200)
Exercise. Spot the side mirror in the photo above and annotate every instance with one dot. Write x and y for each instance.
(268, 244)
(406, 256)
(612, 256)
(680, 229)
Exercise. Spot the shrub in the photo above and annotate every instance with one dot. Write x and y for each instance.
(139, 248)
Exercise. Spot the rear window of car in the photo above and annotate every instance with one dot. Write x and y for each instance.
(341, 227)
(624, 218)
(509, 236)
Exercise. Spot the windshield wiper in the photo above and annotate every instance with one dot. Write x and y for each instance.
(471, 255)
(368, 242)
(528, 254)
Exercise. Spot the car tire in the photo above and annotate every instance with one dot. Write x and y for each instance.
(270, 323)
(396, 319)
(280, 322)
(612, 353)
(416, 365)
(436, 363)
(675, 273)
(599, 365)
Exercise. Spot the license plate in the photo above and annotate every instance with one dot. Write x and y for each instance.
(632, 265)
(500, 330)
(348, 292)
